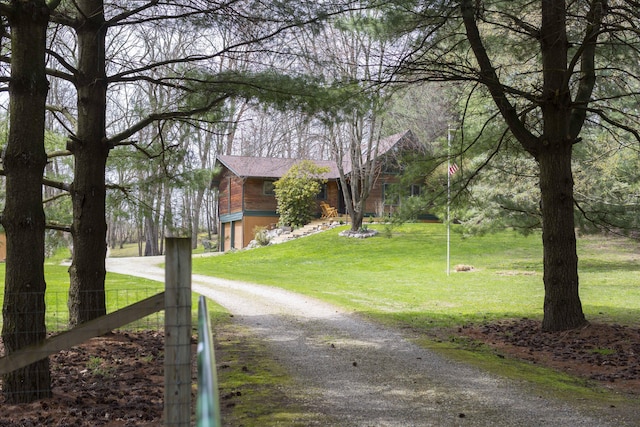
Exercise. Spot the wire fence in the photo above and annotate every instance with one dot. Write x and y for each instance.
(57, 311)
(67, 357)
(140, 374)
(120, 366)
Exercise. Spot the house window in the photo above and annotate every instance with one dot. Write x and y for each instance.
(322, 195)
(390, 194)
(415, 190)
(268, 188)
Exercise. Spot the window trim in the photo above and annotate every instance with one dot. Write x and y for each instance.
(268, 189)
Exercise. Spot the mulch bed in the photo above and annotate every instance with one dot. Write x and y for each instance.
(115, 380)
(609, 354)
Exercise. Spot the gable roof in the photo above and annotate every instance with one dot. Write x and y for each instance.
(403, 140)
(270, 167)
(275, 167)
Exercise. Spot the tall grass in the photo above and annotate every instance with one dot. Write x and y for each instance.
(403, 279)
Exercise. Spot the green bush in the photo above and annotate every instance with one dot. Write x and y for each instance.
(296, 192)
(261, 236)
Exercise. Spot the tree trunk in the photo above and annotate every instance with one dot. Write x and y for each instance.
(357, 216)
(151, 237)
(356, 221)
(23, 218)
(552, 150)
(562, 306)
(90, 149)
(197, 214)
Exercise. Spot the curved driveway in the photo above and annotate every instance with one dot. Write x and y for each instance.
(361, 374)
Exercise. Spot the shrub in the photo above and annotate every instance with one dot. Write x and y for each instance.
(296, 192)
(261, 236)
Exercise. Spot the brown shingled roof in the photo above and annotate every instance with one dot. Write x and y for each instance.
(270, 167)
(274, 167)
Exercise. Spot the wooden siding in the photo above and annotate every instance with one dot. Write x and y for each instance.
(375, 202)
(375, 205)
(238, 235)
(232, 235)
(334, 195)
(230, 194)
(333, 198)
(223, 194)
(254, 197)
(226, 233)
(256, 201)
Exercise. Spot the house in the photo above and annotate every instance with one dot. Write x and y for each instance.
(246, 199)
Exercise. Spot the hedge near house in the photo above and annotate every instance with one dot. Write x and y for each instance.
(296, 192)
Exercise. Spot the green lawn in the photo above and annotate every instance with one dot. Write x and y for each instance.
(403, 279)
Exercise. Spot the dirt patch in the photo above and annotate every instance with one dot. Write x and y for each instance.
(608, 354)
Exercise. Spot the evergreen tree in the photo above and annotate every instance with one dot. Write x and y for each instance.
(550, 67)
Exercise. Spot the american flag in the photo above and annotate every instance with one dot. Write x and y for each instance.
(453, 169)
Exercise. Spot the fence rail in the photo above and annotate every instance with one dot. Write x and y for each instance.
(208, 401)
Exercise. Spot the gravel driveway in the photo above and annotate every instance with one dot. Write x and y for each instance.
(359, 373)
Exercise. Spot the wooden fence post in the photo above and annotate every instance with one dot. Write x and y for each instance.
(177, 333)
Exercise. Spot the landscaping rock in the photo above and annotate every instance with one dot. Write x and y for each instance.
(360, 234)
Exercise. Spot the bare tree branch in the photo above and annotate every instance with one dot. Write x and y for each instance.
(490, 79)
(72, 70)
(48, 182)
(59, 227)
(129, 13)
(61, 153)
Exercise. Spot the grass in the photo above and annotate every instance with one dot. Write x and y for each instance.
(402, 280)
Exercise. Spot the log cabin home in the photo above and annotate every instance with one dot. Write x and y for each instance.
(246, 197)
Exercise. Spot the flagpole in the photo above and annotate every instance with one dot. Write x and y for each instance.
(448, 199)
